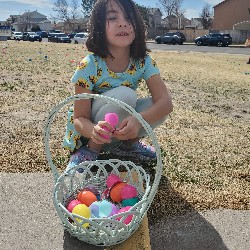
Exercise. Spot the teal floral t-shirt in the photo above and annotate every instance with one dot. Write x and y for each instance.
(92, 73)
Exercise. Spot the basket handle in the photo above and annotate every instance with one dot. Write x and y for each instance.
(118, 103)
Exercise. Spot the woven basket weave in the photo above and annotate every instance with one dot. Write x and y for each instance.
(102, 231)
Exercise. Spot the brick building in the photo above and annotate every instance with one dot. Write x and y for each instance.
(230, 12)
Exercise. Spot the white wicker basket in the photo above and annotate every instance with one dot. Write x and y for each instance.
(102, 231)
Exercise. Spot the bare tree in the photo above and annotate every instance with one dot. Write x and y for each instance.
(206, 17)
(66, 13)
(75, 7)
(25, 21)
(172, 10)
(61, 7)
(87, 6)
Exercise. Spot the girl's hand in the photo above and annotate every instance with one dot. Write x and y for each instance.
(128, 129)
(99, 130)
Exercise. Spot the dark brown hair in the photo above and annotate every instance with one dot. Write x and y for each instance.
(97, 42)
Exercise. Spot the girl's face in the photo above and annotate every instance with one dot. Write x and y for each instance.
(119, 30)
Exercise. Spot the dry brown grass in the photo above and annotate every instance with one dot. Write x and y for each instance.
(205, 142)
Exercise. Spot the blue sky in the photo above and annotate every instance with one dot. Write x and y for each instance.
(15, 7)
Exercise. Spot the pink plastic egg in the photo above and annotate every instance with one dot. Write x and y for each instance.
(128, 218)
(112, 179)
(128, 192)
(72, 204)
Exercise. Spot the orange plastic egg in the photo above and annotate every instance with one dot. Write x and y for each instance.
(115, 192)
(86, 197)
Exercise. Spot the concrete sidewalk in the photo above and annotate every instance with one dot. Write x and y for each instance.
(29, 221)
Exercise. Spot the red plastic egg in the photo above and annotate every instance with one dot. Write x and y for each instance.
(86, 197)
(115, 192)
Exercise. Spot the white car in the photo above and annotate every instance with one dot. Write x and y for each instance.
(80, 38)
(16, 35)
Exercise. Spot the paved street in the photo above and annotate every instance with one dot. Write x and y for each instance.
(232, 49)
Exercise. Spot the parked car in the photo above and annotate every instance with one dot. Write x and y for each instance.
(80, 38)
(31, 36)
(218, 39)
(58, 38)
(171, 37)
(72, 34)
(42, 34)
(55, 31)
(15, 35)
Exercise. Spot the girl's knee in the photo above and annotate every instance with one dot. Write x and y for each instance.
(126, 94)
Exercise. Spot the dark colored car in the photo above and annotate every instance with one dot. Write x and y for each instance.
(171, 37)
(58, 38)
(218, 39)
(42, 34)
(55, 31)
(31, 36)
(71, 35)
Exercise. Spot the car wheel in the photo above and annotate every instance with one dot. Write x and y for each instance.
(76, 42)
(219, 43)
(158, 41)
(180, 43)
(173, 42)
(199, 43)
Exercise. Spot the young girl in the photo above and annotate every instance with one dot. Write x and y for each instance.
(119, 61)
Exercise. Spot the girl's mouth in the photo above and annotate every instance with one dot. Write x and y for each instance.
(122, 34)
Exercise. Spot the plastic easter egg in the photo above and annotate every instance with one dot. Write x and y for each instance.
(92, 189)
(72, 204)
(105, 208)
(130, 202)
(86, 197)
(128, 192)
(102, 209)
(115, 192)
(83, 211)
(128, 218)
(112, 119)
(94, 208)
(115, 209)
(112, 179)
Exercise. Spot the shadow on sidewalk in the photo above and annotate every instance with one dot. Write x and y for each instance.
(72, 243)
(176, 225)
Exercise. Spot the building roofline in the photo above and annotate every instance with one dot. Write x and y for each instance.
(220, 3)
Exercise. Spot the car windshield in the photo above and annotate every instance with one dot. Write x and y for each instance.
(18, 33)
(60, 35)
(32, 33)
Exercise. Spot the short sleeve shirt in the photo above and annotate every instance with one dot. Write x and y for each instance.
(92, 73)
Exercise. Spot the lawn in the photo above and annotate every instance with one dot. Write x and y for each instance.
(205, 142)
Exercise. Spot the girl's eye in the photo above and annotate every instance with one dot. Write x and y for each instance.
(111, 18)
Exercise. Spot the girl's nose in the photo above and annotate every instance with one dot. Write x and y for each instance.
(123, 25)
(123, 22)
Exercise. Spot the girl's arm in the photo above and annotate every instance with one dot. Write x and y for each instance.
(82, 113)
(162, 100)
